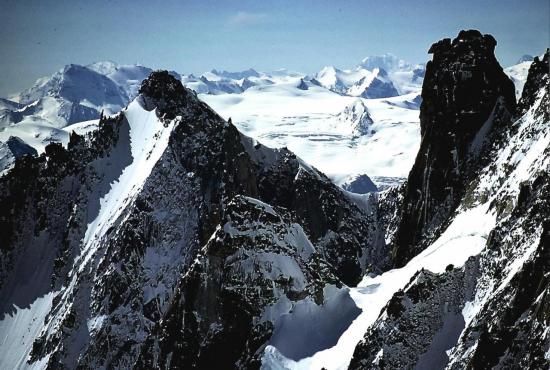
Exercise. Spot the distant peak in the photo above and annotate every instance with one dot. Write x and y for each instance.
(525, 58)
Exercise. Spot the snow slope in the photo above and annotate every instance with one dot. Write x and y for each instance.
(465, 237)
(518, 75)
(146, 140)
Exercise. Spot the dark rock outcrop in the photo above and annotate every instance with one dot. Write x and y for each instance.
(257, 258)
(537, 78)
(491, 313)
(465, 98)
(380, 87)
(419, 323)
(19, 148)
(360, 184)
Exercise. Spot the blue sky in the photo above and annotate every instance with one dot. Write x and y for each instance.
(39, 37)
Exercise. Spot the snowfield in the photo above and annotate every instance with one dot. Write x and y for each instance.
(309, 123)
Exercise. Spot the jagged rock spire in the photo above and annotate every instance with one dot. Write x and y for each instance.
(464, 88)
(536, 79)
(165, 92)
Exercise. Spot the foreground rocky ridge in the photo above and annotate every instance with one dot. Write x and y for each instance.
(117, 253)
(467, 100)
(491, 312)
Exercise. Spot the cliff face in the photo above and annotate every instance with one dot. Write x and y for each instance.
(536, 80)
(492, 312)
(167, 212)
(466, 97)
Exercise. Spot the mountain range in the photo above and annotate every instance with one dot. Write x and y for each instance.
(370, 110)
(142, 229)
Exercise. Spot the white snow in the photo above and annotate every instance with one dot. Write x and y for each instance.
(518, 75)
(309, 124)
(465, 237)
(148, 140)
(82, 128)
(19, 330)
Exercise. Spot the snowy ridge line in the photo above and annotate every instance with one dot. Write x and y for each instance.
(148, 139)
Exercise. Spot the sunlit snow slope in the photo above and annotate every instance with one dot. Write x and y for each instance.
(310, 123)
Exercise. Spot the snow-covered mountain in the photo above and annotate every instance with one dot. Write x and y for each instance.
(518, 74)
(474, 292)
(380, 76)
(164, 237)
(163, 208)
(322, 126)
(406, 77)
(359, 82)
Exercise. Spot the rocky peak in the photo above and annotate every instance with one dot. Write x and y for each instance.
(536, 79)
(525, 58)
(464, 79)
(466, 97)
(166, 93)
(19, 148)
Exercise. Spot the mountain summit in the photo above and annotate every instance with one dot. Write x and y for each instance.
(165, 210)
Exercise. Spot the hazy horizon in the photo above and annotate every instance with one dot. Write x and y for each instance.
(39, 38)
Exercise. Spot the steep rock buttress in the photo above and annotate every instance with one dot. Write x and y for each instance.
(465, 97)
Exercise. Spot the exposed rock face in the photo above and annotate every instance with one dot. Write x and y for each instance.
(155, 217)
(12, 149)
(19, 148)
(419, 323)
(360, 184)
(536, 79)
(493, 311)
(516, 263)
(465, 96)
(259, 258)
(357, 118)
(379, 87)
